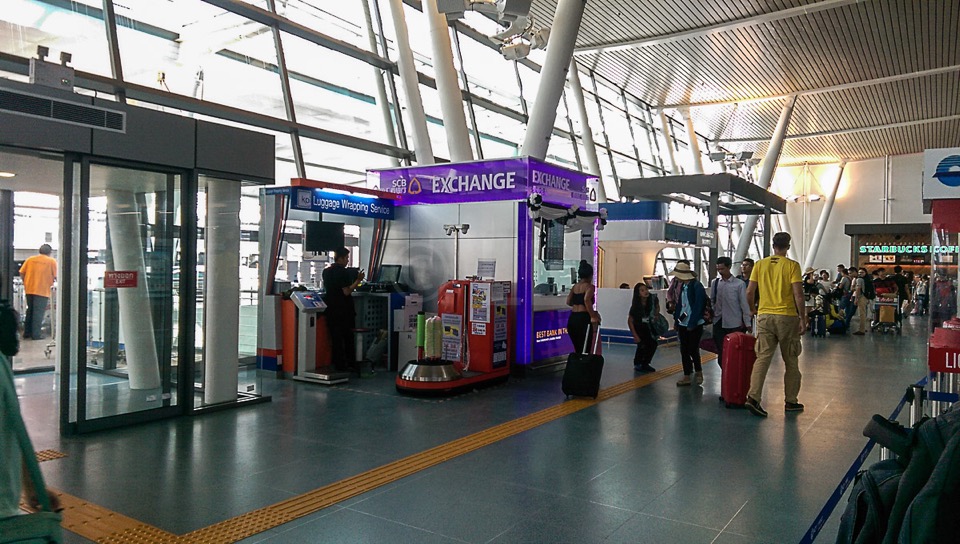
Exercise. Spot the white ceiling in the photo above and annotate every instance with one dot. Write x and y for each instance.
(874, 77)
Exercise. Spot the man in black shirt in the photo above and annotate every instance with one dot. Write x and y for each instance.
(338, 287)
(903, 288)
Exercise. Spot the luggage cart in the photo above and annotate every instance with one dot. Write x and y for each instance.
(52, 308)
(886, 313)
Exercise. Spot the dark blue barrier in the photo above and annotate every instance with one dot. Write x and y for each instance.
(828, 508)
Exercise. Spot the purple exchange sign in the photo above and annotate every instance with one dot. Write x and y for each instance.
(487, 181)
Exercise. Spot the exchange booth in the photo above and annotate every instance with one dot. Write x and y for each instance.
(144, 215)
(493, 246)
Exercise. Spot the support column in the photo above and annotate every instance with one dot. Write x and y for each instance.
(378, 82)
(767, 234)
(714, 250)
(411, 86)
(766, 174)
(222, 283)
(451, 98)
(136, 319)
(589, 146)
(694, 142)
(6, 245)
(563, 37)
(668, 141)
(824, 217)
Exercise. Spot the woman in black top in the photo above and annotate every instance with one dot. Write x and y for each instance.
(580, 299)
(643, 309)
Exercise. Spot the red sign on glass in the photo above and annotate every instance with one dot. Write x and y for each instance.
(943, 354)
(119, 279)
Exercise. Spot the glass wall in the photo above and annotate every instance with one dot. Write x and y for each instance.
(203, 54)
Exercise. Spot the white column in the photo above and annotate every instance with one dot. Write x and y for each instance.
(411, 86)
(668, 142)
(563, 37)
(448, 87)
(136, 318)
(589, 146)
(768, 167)
(221, 285)
(694, 142)
(824, 217)
(381, 88)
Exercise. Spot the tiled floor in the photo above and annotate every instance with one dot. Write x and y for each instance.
(658, 464)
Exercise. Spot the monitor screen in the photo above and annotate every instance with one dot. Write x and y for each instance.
(389, 273)
(319, 236)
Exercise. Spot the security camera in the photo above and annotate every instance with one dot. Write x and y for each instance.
(515, 51)
(463, 228)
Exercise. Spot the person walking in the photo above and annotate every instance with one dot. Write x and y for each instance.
(582, 314)
(643, 309)
(781, 319)
(688, 315)
(38, 273)
(731, 313)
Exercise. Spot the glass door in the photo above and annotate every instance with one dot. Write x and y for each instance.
(127, 325)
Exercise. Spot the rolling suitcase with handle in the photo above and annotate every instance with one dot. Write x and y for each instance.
(581, 377)
(739, 355)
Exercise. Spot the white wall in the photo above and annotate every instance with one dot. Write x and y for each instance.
(860, 199)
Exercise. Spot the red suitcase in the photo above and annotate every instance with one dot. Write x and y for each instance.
(738, 358)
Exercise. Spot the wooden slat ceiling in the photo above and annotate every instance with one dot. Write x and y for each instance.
(847, 44)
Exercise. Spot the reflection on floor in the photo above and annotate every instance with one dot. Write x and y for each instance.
(657, 464)
(35, 355)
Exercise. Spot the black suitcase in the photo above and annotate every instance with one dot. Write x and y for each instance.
(581, 378)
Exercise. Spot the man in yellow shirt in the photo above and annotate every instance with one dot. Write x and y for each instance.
(38, 273)
(781, 319)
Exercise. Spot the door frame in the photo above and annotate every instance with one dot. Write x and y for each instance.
(75, 223)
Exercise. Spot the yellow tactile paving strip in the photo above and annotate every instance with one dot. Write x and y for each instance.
(49, 455)
(104, 526)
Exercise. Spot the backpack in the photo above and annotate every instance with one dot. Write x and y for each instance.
(871, 499)
(868, 290)
(932, 516)
(9, 329)
(880, 507)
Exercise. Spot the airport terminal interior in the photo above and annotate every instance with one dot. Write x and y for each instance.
(205, 182)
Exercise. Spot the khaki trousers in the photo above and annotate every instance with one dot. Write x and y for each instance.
(785, 331)
(863, 304)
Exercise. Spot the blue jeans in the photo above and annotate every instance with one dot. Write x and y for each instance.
(849, 309)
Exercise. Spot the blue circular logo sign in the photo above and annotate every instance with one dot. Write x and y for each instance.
(948, 171)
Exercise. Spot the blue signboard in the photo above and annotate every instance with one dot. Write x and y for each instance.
(319, 200)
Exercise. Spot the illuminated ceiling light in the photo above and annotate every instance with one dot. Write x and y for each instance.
(7, 174)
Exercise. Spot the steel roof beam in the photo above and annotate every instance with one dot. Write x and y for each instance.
(838, 132)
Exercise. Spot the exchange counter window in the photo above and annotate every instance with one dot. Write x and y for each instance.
(558, 256)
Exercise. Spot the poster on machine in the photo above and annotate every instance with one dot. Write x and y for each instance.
(480, 302)
(452, 337)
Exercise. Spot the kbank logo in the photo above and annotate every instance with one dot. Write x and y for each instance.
(948, 171)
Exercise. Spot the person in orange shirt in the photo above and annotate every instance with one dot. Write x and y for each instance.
(38, 273)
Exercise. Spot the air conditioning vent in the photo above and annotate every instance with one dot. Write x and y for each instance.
(85, 115)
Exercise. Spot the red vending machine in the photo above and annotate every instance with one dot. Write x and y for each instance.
(476, 317)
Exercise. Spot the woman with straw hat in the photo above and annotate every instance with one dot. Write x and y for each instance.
(689, 317)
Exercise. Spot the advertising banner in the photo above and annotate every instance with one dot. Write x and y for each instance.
(550, 338)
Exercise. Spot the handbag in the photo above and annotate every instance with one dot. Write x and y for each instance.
(659, 325)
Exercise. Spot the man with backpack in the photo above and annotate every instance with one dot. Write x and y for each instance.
(863, 293)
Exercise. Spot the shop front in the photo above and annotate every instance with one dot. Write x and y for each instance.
(907, 245)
